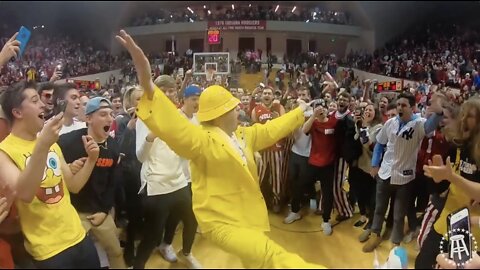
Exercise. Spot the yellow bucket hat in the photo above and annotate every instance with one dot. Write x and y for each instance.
(214, 102)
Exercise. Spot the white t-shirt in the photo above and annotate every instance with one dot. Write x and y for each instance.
(303, 142)
(162, 171)
(75, 126)
(185, 162)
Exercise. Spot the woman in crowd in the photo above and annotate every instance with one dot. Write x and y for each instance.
(362, 183)
(466, 159)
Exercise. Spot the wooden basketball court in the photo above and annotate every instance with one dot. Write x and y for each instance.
(304, 237)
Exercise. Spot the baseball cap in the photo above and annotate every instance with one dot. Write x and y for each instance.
(192, 90)
(94, 105)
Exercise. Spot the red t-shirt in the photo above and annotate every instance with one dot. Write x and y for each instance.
(436, 145)
(265, 114)
(324, 143)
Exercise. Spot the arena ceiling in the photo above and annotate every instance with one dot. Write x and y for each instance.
(99, 19)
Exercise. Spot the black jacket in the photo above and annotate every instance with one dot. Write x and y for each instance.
(349, 148)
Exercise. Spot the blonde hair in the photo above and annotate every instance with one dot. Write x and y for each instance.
(127, 96)
(473, 139)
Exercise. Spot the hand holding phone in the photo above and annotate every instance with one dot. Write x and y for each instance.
(23, 37)
(459, 239)
(10, 50)
(61, 106)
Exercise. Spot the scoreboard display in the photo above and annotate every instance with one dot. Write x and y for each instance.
(214, 36)
(388, 86)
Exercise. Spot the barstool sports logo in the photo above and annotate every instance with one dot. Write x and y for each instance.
(454, 243)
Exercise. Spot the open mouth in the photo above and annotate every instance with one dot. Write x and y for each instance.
(106, 128)
(41, 116)
(51, 195)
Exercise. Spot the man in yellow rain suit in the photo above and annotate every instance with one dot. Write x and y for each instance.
(227, 200)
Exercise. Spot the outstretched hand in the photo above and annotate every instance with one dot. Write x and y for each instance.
(303, 105)
(144, 71)
(437, 170)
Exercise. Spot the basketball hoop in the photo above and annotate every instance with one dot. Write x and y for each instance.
(210, 73)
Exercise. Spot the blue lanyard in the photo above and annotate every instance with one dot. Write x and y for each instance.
(402, 124)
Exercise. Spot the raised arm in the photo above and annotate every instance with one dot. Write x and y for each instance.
(270, 133)
(28, 181)
(186, 81)
(9, 50)
(436, 107)
(158, 113)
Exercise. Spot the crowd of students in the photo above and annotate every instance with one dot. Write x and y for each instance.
(71, 164)
(440, 53)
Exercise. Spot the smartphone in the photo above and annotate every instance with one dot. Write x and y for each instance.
(459, 240)
(61, 106)
(23, 36)
(318, 102)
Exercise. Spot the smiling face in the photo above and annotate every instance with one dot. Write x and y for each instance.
(369, 113)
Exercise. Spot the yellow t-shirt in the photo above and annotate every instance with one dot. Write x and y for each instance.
(31, 75)
(49, 223)
(456, 198)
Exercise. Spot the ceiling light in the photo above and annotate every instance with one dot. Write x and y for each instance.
(277, 8)
(209, 12)
(204, 6)
(233, 7)
(295, 7)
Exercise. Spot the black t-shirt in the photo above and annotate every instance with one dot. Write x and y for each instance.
(465, 165)
(98, 193)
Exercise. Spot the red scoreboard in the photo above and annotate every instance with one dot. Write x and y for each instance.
(214, 36)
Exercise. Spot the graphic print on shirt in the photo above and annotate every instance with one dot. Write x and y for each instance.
(264, 115)
(408, 134)
(51, 188)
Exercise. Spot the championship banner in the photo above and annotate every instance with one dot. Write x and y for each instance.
(239, 25)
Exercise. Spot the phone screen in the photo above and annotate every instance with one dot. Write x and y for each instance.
(61, 106)
(459, 244)
(23, 36)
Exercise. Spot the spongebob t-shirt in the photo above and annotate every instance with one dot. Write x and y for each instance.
(50, 223)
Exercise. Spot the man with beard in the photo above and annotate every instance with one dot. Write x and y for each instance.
(45, 90)
(346, 129)
(382, 106)
(273, 157)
